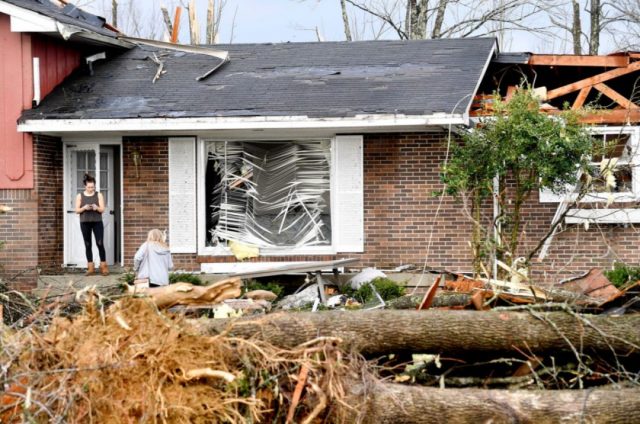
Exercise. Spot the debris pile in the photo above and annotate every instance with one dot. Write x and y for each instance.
(131, 362)
(467, 350)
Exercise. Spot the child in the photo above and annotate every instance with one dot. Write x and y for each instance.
(153, 260)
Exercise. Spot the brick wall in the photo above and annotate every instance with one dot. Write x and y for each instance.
(401, 173)
(19, 231)
(404, 222)
(576, 249)
(32, 230)
(146, 195)
(49, 186)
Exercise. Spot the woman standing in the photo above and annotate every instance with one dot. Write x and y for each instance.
(153, 261)
(90, 205)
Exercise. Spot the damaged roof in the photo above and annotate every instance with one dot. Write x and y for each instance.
(68, 14)
(328, 79)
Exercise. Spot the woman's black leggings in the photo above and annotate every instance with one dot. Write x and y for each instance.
(98, 232)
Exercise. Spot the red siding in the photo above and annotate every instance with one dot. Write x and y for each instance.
(16, 92)
(57, 61)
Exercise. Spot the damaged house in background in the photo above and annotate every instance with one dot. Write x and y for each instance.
(290, 152)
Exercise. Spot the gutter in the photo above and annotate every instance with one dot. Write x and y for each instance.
(142, 125)
(67, 31)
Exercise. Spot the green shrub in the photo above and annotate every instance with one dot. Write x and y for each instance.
(174, 277)
(622, 274)
(386, 288)
(271, 286)
(181, 277)
(127, 277)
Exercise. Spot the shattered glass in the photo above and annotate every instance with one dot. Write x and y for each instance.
(271, 194)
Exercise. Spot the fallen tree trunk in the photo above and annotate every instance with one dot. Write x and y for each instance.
(439, 301)
(453, 332)
(395, 403)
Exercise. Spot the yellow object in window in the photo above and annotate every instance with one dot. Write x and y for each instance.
(243, 251)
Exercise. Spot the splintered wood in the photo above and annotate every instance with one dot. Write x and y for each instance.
(188, 294)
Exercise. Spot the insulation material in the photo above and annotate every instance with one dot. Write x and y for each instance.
(271, 194)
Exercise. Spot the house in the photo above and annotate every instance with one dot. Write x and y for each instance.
(42, 43)
(307, 151)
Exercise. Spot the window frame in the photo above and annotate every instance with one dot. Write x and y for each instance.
(204, 250)
(547, 196)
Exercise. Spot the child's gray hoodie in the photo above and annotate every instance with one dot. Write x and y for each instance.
(153, 261)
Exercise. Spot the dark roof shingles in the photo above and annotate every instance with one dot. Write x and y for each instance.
(331, 79)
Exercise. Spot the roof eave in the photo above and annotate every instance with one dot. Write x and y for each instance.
(144, 125)
(24, 20)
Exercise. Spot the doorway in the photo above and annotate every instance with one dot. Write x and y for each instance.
(103, 162)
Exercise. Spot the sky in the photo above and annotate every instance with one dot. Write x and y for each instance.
(275, 21)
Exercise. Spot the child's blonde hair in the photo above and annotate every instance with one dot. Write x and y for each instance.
(157, 236)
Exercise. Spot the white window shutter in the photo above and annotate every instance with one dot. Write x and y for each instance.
(348, 191)
(182, 195)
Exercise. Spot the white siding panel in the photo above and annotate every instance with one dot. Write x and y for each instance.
(182, 195)
(348, 191)
(603, 216)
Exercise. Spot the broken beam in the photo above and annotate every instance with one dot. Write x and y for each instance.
(582, 96)
(576, 60)
(591, 81)
(615, 96)
(176, 25)
(617, 116)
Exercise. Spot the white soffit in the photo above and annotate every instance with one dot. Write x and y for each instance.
(142, 125)
(603, 216)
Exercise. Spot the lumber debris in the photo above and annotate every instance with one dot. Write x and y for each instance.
(579, 60)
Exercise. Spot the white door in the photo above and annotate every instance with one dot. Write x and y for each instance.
(81, 159)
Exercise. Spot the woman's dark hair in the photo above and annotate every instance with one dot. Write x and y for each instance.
(88, 179)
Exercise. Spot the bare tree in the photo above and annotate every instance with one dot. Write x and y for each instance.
(628, 18)
(214, 17)
(167, 21)
(595, 14)
(594, 23)
(194, 29)
(414, 19)
(345, 20)
(114, 13)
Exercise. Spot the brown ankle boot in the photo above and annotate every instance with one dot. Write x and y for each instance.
(104, 269)
(91, 269)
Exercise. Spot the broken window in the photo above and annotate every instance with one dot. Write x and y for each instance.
(611, 168)
(270, 194)
(613, 172)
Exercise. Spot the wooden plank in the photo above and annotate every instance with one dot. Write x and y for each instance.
(596, 79)
(615, 96)
(176, 25)
(582, 96)
(576, 60)
(294, 269)
(603, 216)
(320, 281)
(617, 116)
